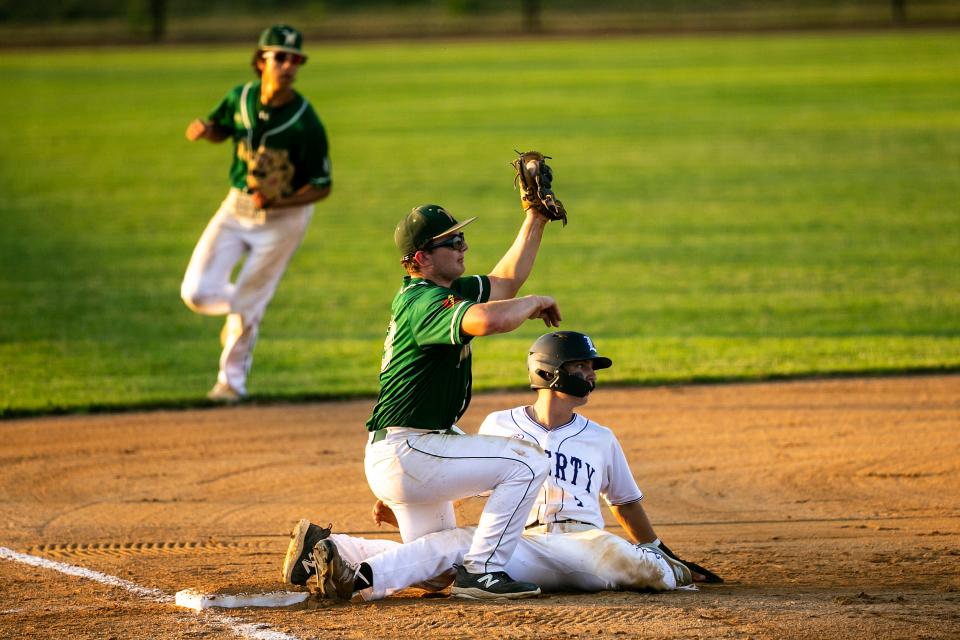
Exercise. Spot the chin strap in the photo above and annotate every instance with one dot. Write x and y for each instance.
(575, 386)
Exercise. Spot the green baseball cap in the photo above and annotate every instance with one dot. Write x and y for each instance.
(281, 37)
(424, 224)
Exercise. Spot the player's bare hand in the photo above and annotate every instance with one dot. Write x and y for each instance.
(382, 513)
(548, 311)
(259, 200)
(196, 130)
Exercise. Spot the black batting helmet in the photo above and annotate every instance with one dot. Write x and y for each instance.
(549, 353)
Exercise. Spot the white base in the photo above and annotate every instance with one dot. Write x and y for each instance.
(197, 600)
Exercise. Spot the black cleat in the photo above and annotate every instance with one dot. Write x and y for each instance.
(334, 575)
(496, 585)
(300, 564)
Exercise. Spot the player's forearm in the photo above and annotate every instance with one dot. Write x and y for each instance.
(502, 316)
(515, 266)
(635, 522)
(305, 195)
(206, 130)
(216, 133)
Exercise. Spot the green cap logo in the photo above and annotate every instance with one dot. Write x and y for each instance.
(281, 37)
(423, 224)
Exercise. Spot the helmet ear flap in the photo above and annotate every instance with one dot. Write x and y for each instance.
(546, 375)
(541, 374)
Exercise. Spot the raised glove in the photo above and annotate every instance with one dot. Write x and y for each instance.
(270, 173)
(534, 179)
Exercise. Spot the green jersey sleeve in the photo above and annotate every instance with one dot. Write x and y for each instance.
(476, 288)
(223, 115)
(439, 311)
(313, 162)
(425, 375)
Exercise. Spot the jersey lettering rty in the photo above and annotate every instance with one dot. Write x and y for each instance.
(587, 463)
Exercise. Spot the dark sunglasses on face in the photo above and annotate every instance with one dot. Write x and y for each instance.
(456, 242)
(281, 57)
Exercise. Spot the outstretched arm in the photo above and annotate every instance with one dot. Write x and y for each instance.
(207, 130)
(503, 316)
(516, 264)
(635, 522)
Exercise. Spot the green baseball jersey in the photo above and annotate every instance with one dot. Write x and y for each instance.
(291, 136)
(425, 374)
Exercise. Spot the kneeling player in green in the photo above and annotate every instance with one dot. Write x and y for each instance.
(416, 461)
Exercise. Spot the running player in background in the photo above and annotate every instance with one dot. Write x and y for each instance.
(280, 167)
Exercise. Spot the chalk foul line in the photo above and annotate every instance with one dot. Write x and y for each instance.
(255, 631)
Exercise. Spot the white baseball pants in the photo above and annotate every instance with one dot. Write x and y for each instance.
(268, 243)
(419, 474)
(561, 557)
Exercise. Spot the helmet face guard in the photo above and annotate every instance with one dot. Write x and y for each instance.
(551, 351)
(572, 385)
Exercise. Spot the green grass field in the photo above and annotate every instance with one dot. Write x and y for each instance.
(742, 207)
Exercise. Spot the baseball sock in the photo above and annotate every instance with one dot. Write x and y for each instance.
(364, 577)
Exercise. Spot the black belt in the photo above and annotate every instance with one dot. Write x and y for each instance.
(380, 434)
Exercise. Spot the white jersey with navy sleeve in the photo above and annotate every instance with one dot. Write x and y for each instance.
(586, 463)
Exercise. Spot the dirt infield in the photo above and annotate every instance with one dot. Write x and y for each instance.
(831, 507)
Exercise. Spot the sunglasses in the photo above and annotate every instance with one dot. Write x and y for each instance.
(281, 57)
(456, 242)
